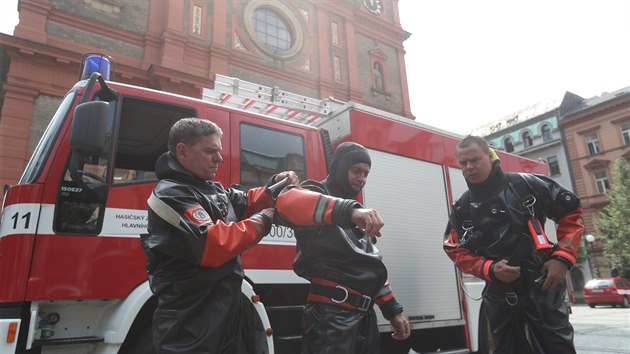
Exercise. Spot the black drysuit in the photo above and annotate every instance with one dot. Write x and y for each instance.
(523, 319)
(338, 259)
(197, 229)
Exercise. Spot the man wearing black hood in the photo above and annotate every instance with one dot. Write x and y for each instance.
(197, 230)
(495, 233)
(336, 253)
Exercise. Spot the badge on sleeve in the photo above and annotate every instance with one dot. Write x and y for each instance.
(198, 215)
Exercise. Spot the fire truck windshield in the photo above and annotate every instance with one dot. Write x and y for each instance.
(42, 151)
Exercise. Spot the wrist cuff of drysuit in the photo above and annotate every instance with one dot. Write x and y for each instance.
(491, 272)
(391, 308)
(342, 212)
(565, 261)
(267, 222)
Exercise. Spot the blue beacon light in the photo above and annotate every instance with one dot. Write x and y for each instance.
(94, 62)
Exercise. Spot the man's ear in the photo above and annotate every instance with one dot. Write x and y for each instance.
(181, 151)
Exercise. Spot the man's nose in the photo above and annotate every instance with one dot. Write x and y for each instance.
(218, 158)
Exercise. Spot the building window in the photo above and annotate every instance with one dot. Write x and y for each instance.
(601, 181)
(625, 133)
(554, 166)
(337, 68)
(196, 20)
(378, 77)
(546, 132)
(272, 29)
(593, 144)
(527, 140)
(334, 29)
(509, 146)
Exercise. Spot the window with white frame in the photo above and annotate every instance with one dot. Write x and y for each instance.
(592, 143)
(553, 165)
(546, 132)
(527, 140)
(625, 133)
(601, 181)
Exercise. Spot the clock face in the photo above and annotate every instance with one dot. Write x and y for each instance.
(374, 6)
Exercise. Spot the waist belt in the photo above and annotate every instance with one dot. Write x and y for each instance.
(328, 292)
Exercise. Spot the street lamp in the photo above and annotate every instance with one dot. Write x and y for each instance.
(591, 239)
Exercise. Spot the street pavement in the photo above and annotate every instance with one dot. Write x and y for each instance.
(601, 330)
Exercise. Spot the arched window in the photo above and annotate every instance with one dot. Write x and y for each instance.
(509, 147)
(527, 140)
(546, 132)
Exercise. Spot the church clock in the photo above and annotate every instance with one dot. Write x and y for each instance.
(374, 6)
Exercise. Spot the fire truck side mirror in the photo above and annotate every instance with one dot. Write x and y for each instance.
(89, 128)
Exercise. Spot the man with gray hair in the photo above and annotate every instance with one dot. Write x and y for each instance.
(197, 230)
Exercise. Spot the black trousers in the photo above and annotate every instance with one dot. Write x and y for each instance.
(239, 332)
(525, 320)
(330, 329)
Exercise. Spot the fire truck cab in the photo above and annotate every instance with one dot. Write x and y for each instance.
(72, 276)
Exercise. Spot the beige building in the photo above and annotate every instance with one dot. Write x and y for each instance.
(596, 133)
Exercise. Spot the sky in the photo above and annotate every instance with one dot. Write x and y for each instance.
(473, 62)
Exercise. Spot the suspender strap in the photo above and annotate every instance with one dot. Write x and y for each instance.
(523, 189)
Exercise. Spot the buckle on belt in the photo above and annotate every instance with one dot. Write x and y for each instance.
(366, 301)
(511, 298)
(361, 302)
(345, 298)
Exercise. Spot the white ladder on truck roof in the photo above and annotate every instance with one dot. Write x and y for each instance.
(267, 100)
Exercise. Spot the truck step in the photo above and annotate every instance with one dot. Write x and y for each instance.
(63, 341)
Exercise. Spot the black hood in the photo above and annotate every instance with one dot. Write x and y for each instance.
(495, 182)
(346, 155)
(167, 167)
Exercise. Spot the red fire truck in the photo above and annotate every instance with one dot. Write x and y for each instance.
(72, 276)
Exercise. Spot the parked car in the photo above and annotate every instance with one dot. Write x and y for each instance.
(607, 291)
